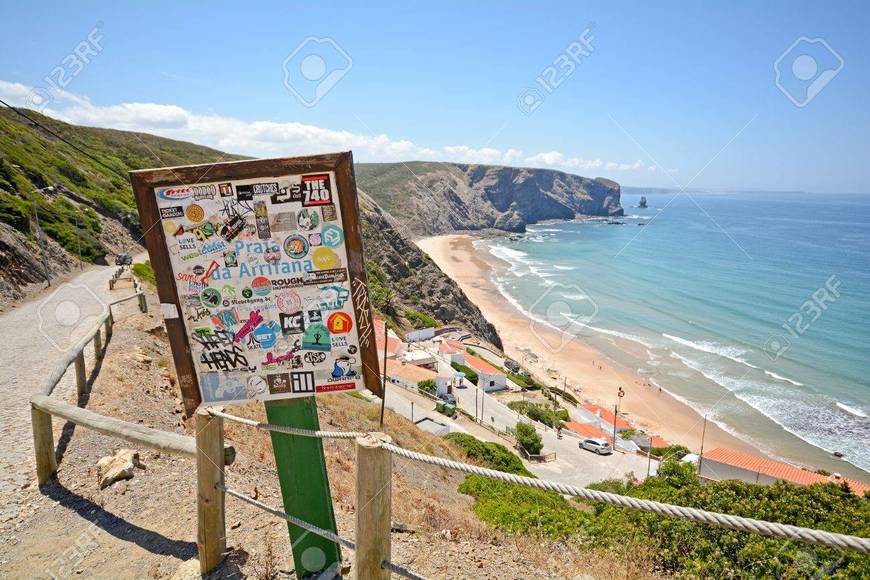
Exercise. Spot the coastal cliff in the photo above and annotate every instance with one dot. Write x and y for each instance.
(432, 198)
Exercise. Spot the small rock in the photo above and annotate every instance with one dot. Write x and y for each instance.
(235, 525)
(117, 467)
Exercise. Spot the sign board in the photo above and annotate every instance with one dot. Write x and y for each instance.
(264, 262)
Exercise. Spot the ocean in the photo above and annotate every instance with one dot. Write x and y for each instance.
(750, 307)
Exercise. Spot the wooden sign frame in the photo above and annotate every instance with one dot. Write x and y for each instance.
(144, 183)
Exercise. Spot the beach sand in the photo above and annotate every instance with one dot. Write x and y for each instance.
(648, 408)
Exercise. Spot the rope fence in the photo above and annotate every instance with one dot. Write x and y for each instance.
(740, 523)
(327, 534)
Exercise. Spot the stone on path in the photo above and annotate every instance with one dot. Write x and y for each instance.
(117, 467)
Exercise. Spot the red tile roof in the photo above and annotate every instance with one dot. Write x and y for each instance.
(409, 372)
(606, 415)
(587, 430)
(451, 347)
(777, 470)
(657, 442)
(481, 365)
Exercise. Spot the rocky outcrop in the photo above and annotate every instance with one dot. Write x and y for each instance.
(416, 282)
(438, 198)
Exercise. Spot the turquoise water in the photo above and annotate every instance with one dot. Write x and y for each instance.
(752, 307)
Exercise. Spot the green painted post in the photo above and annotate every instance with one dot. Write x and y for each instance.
(304, 485)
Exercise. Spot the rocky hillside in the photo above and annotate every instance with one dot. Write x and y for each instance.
(90, 205)
(435, 198)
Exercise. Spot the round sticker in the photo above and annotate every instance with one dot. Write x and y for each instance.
(332, 236)
(339, 323)
(324, 258)
(308, 219)
(210, 298)
(261, 286)
(247, 293)
(170, 227)
(288, 302)
(195, 213)
(296, 247)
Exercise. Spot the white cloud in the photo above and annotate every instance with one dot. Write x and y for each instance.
(268, 138)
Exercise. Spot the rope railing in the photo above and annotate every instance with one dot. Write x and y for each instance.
(327, 534)
(740, 523)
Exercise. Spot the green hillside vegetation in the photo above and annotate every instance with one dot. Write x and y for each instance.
(31, 159)
(679, 547)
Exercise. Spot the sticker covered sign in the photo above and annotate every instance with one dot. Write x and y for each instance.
(260, 268)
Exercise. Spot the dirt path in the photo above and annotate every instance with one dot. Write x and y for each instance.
(37, 334)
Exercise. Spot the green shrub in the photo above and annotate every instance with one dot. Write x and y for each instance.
(562, 415)
(537, 412)
(627, 434)
(469, 372)
(144, 272)
(14, 211)
(675, 451)
(492, 455)
(428, 386)
(528, 438)
(420, 319)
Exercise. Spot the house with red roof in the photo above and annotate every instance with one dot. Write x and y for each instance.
(587, 431)
(489, 378)
(452, 350)
(721, 464)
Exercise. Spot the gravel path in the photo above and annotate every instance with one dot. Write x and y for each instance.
(37, 334)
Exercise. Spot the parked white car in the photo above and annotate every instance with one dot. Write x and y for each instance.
(596, 445)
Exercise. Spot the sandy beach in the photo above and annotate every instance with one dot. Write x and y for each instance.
(599, 376)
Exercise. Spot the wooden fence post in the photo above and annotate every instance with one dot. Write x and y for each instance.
(211, 537)
(109, 322)
(81, 379)
(112, 283)
(43, 445)
(98, 344)
(374, 466)
(143, 305)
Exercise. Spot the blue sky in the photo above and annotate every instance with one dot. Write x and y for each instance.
(668, 95)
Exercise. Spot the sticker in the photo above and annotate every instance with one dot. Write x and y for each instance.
(261, 216)
(314, 239)
(339, 323)
(168, 311)
(272, 255)
(261, 286)
(342, 367)
(173, 211)
(211, 298)
(293, 323)
(174, 193)
(225, 189)
(256, 386)
(333, 236)
(316, 190)
(332, 297)
(296, 247)
(316, 337)
(329, 213)
(324, 258)
(232, 228)
(231, 259)
(291, 193)
(248, 327)
(278, 383)
(195, 213)
(288, 301)
(335, 387)
(247, 192)
(308, 219)
(302, 382)
(284, 221)
(314, 317)
(266, 335)
(170, 227)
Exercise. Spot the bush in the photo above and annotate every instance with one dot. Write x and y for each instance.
(562, 415)
(144, 272)
(14, 211)
(537, 412)
(675, 451)
(469, 372)
(428, 386)
(420, 319)
(492, 455)
(528, 438)
(627, 434)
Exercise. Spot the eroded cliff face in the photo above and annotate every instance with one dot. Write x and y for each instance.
(415, 281)
(436, 198)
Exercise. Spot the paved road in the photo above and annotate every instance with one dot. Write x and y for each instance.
(573, 465)
(37, 334)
